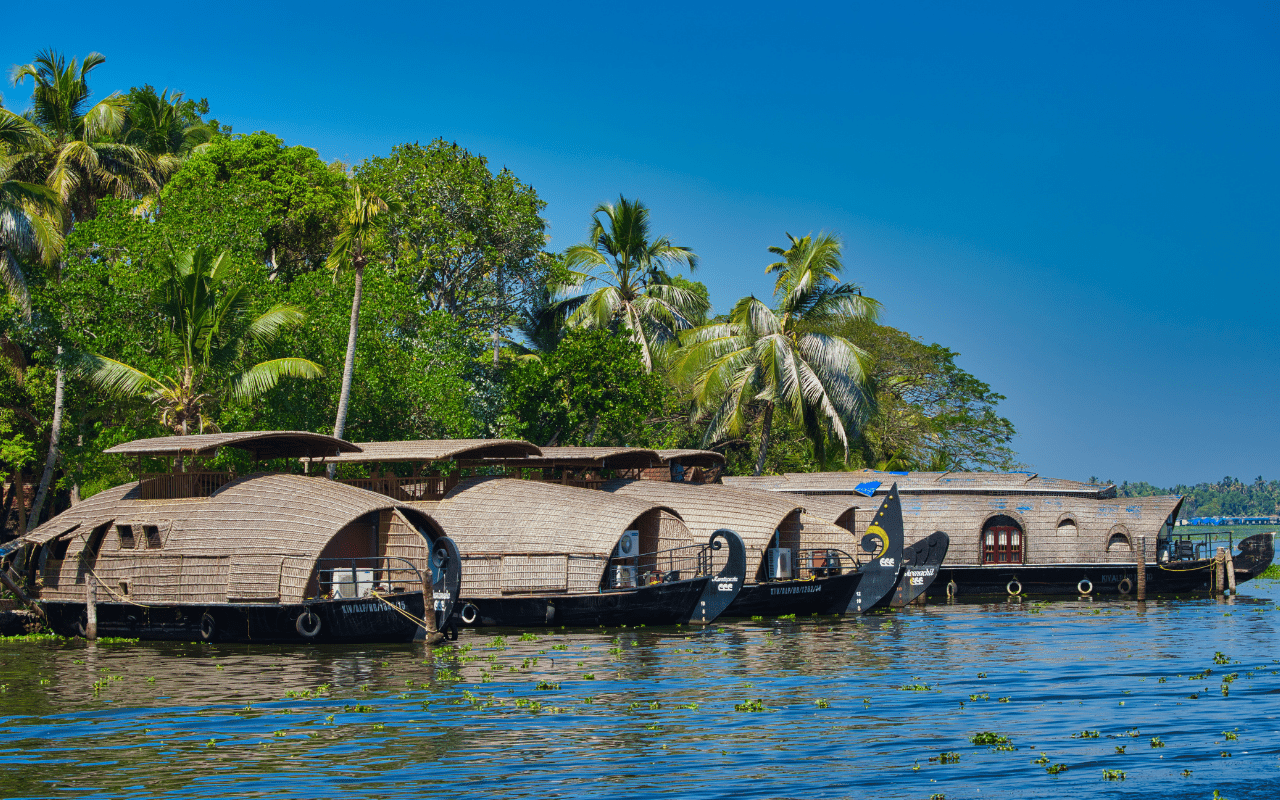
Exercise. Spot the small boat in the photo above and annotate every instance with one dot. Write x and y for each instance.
(194, 554)
(541, 554)
(800, 563)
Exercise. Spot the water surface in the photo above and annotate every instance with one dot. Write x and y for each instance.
(820, 707)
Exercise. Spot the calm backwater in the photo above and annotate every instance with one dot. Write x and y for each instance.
(858, 707)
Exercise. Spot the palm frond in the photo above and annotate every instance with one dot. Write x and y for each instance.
(116, 378)
(263, 377)
(268, 325)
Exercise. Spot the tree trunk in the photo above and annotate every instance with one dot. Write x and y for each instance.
(764, 437)
(348, 370)
(55, 434)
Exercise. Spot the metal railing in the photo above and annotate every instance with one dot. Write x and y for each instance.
(344, 578)
(178, 485)
(663, 566)
(406, 489)
(824, 562)
(1195, 546)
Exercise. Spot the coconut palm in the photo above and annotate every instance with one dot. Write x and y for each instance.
(209, 329)
(30, 217)
(360, 219)
(160, 125)
(73, 148)
(789, 360)
(635, 294)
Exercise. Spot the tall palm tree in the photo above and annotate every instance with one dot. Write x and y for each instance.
(635, 294)
(73, 149)
(30, 217)
(208, 330)
(790, 359)
(162, 126)
(360, 219)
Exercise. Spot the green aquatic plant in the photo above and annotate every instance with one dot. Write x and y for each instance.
(1086, 735)
(545, 686)
(527, 637)
(1042, 760)
(750, 705)
(1054, 769)
(976, 697)
(946, 758)
(989, 737)
(1113, 775)
(1156, 741)
(915, 687)
(820, 703)
(1221, 658)
(1120, 749)
(1231, 736)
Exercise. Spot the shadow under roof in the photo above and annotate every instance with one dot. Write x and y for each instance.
(260, 444)
(438, 450)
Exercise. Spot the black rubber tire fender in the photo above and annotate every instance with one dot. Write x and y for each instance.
(304, 627)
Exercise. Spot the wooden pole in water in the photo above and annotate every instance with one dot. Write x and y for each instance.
(1231, 572)
(1142, 568)
(1219, 560)
(91, 607)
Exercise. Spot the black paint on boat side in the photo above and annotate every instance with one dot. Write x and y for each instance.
(885, 536)
(446, 579)
(658, 604)
(355, 620)
(827, 595)
(725, 587)
(920, 564)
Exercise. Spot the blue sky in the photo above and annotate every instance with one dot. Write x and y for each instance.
(1079, 198)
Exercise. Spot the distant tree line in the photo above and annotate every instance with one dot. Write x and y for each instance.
(1228, 497)
(165, 274)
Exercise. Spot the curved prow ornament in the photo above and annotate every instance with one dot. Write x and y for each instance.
(920, 564)
(724, 587)
(446, 579)
(879, 575)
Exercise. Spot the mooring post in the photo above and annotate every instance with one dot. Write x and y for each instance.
(1142, 568)
(1219, 562)
(91, 607)
(1231, 573)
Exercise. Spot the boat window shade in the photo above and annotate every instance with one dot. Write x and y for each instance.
(126, 536)
(152, 534)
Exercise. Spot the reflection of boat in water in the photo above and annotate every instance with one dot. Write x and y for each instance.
(800, 563)
(1018, 533)
(541, 554)
(263, 557)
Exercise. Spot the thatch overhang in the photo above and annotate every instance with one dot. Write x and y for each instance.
(263, 531)
(840, 509)
(868, 482)
(693, 458)
(593, 457)
(755, 516)
(506, 515)
(259, 444)
(428, 450)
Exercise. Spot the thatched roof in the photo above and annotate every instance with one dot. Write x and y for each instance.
(869, 482)
(835, 508)
(438, 450)
(262, 522)
(599, 457)
(754, 516)
(693, 458)
(501, 515)
(260, 444)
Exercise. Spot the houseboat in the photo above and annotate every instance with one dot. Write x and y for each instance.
(195, 554)
(1019, 533)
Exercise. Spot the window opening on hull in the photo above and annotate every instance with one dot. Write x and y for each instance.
(1002, 541)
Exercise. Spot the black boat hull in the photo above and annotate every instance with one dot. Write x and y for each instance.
(920, 564)
(1104, 579)
(356, 620)
(829, 595)
(659, 604)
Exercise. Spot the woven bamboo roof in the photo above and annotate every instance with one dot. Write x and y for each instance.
(754, 516)
(693, 458)
(834, 508)
(875, 482)
(502, 515)
(438, 450)
(261, 444)
(599, 457)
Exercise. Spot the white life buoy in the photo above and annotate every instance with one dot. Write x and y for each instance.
(1085, 587)
(1013, 587)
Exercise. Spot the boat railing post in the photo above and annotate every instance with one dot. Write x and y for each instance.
(1142, 568)
(91, 607)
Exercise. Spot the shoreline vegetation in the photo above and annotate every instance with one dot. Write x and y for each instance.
(166, 274)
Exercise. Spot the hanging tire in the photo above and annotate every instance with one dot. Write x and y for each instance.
(1125, 586)
(308, 624)
(1085, 587)
(208, 627)
(1013, 588)
(468, 614)
(952, 589)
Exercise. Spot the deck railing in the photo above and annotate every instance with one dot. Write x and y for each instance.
(663, 566)
(406, 489)
(359, 577)
(178, 485)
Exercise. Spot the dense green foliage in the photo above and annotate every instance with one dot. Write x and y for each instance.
(1228, 497)
(467, 325)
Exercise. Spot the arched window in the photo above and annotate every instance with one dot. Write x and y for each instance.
(1002, 541)
(1118, 541)
(1067, 527)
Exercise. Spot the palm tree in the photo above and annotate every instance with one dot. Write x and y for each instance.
(791, 359)
(359, 221)
(163, 126)
(636, 294)
(30, 217)
(208, 329)
(72, 148)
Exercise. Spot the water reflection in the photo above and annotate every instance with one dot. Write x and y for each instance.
(850, 708)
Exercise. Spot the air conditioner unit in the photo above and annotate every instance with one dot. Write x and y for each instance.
(352, 583)
(624, 577)
(779, 563)
(629, 544)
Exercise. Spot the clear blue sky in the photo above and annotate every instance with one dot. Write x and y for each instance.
(1079, 198)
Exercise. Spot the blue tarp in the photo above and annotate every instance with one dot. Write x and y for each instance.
(868, 488)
